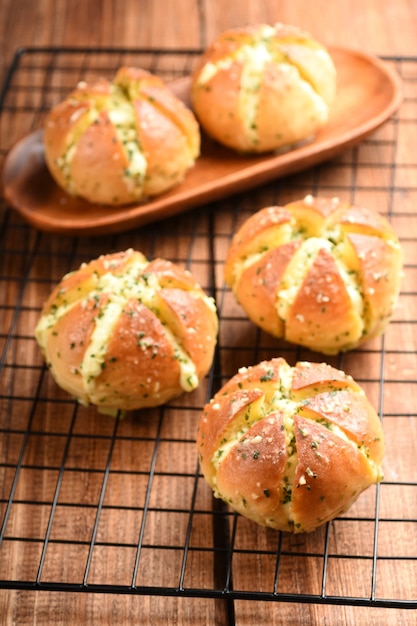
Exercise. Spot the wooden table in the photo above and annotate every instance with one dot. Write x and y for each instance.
(32, 262)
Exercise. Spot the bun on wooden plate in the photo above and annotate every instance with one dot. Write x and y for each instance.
(317, 272)
(122, 332)
(290, 447)
(121, 141)
(261, 88)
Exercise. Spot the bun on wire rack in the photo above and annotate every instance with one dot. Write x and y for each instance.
(290, 447)
(124, 333)
(317, 272)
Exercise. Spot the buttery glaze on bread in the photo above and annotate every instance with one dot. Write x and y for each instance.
(120, 142)
(317, 272)
(122, 332)
(262, 88)
(290, 447)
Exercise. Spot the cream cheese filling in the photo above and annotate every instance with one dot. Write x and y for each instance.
(122, 117)
(95, 354)
(254, 59)
(210, 69)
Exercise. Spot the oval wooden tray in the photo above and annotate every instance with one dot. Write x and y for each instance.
(369, 92)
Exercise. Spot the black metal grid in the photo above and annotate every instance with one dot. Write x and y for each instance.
(91, 504)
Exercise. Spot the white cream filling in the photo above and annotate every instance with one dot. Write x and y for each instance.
(122, 117)
(188, 372)
(254, 59)
(210, 69)
(95, 354)
(296, 270)
(299, 266)
(352, 288)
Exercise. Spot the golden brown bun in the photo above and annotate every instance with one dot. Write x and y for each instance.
(317, 272)
(122, 332)
(290, 447)
(262, 87)
(122, 141)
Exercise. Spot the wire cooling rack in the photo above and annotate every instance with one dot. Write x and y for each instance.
(93, 504)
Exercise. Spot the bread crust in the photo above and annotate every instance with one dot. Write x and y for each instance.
(120, 141)
(318, 272)
(262, 87)
(290, 447)
(123, 333)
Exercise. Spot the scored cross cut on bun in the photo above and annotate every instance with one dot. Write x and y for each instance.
(290, 447)
(124, 333)
(261, 88)
(317, 272)
(121, 141)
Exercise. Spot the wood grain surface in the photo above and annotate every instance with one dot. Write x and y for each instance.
(377, 27)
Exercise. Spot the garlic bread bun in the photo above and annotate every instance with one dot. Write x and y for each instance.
(317, 272)
(124, 333)
(121, 141)
(290, 447)
(262, 88)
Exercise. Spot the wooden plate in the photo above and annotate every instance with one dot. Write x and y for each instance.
(369, 92)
